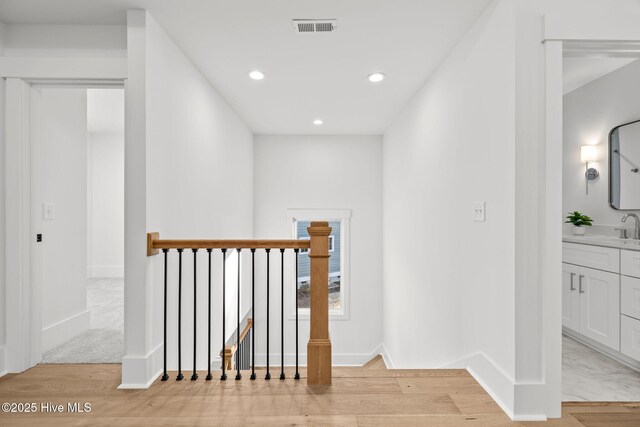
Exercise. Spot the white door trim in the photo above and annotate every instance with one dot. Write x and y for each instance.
(552, 242)
(551, 250)
(18, 226)
(22, 272)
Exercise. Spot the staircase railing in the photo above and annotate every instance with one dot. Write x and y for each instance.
(319, 345)
(237, 352)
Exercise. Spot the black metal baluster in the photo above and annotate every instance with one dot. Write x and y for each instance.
(194, 376)
(282, 376)
(165, 376)
(180, 377)
(253, 314)
(209, 376)
(244, 351)
(295, 284)
(268, 375)
(238, 375)
(223, 377)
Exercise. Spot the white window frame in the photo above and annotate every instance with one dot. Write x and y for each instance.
(344, 216)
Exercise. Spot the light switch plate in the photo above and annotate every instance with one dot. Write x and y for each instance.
(479, 209)
(48, 211)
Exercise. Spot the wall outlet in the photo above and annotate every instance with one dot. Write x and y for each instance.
(479, 209)
(48, 211)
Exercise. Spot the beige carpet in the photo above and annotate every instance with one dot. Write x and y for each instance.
(104, 341)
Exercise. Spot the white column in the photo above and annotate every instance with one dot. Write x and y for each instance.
(552, 249)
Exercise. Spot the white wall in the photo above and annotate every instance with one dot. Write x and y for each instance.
(2, 212)
(590, 112)
(105, 170)
(59, 162)
(324, 172)
(199, 183)
(453, 145)
(66, 40)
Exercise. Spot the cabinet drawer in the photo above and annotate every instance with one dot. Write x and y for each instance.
(630, 337)
(630, 263)
(598, 257)
(630, 296)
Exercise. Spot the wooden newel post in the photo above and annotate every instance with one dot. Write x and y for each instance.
(319, 346)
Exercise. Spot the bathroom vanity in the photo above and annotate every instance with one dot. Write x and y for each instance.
(601, 294)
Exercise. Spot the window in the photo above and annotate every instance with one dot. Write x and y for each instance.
(304, 251)
(304, 267)
(338, 259)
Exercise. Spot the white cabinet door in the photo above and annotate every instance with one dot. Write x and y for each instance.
(600, 306)
(630, 263)
(570, 297)
(630, 296)
(630, 337)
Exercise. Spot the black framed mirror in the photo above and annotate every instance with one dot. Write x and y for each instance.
(624, 166)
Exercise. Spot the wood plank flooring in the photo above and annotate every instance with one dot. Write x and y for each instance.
(367, 396)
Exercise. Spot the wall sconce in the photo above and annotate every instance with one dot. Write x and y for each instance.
(589, 153)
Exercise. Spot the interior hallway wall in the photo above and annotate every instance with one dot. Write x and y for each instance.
(590, 113)
(198, 156)
(2, 212)
(105, 170)
(324, 172)
(450, 147)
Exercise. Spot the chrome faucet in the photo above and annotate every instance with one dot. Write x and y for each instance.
(636, 231)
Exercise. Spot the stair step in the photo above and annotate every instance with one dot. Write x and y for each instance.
(376, 363)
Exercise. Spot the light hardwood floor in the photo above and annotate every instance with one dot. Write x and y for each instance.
(367, 396)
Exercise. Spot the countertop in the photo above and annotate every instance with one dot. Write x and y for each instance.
(606, 241)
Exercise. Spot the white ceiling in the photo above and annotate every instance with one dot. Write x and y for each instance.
(581, 71)
(105, 110)
(308, 76)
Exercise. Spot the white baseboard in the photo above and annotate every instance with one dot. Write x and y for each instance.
(3, 360)
(521, 402)
(105, 271)
(495, 382)
(530, 402)
(64, 330)
(141, 371)
(387, 358)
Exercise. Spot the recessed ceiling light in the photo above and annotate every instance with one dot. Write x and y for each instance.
(256, 75)
(317, 122)
(376, 77)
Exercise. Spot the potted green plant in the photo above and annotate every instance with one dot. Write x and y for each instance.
(579, 221)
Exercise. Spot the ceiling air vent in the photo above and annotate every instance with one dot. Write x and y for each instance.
(314, 25)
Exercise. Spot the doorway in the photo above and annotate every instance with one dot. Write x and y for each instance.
(600, 93)
(77, 204)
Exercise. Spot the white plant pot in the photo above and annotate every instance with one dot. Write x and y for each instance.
(578, 231)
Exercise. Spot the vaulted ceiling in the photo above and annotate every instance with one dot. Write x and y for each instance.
(307, 76)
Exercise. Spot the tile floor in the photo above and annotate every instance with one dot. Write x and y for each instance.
(588, 375)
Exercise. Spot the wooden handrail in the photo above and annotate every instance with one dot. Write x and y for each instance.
(154, 243)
